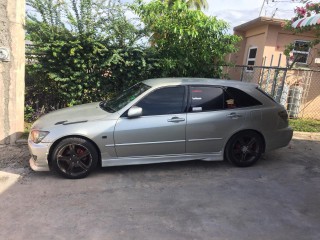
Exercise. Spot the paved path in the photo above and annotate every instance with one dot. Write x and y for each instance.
(276, 199)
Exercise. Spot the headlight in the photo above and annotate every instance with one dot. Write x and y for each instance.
(37, 136)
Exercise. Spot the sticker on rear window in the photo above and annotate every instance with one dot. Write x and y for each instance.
(196, 109)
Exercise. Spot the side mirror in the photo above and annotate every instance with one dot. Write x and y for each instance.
(135, 112)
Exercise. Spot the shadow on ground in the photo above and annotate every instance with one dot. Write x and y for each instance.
(278, 198)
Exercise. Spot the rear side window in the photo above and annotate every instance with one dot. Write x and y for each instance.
(236, 98)
(206, 99)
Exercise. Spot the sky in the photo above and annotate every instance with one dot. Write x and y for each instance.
(236, 12)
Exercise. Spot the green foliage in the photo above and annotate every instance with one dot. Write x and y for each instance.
(28, 113)
(188, 42)
(83, 51)
(193, 4)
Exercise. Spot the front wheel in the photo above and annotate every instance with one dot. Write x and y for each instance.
(244, 148)
(74, 158)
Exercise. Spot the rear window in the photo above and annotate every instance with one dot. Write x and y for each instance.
(236, 98)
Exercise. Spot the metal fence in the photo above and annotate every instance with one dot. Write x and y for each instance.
(296, 89)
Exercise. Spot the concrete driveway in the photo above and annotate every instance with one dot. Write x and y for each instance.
(279, 198)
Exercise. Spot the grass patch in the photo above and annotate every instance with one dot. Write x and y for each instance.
(305, 125)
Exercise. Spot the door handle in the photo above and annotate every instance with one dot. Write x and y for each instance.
(176, 119)
(234, 115)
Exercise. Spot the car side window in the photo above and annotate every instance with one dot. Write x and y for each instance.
(167, 100)
(206, 98)
(235, 98)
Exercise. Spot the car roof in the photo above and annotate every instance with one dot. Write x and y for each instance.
(158, 82)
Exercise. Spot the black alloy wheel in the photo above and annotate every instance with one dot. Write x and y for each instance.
(244, 148)
(74, 158)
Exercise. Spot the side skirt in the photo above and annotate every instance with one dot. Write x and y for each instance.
(161, 159)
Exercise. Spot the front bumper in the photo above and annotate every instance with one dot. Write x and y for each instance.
(39, 156)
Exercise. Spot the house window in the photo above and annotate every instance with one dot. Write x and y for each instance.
(301, 51)
(251, 60)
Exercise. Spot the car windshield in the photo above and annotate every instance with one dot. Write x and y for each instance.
(130, 94)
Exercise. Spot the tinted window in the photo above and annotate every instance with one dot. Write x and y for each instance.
(236, 98)
(206, 99)
(169, 100)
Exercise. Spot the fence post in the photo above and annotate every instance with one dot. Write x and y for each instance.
(283, 82)
(262, 74)
(268, 76)
(275, 78)
(241, 78)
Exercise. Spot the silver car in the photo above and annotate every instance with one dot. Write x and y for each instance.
(161, 120)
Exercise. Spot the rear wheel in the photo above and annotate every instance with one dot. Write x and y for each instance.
(74, 158)
(244, 148)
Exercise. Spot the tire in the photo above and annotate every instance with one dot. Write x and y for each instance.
(74, 158)
(244, 148)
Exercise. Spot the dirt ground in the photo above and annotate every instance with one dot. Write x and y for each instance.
(278, 198)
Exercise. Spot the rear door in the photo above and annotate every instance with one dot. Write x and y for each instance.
(211, 118)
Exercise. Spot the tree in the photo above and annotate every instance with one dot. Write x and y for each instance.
(188, 42)
(83, 51)
(310, 8)
(197, 4)
(87, 50)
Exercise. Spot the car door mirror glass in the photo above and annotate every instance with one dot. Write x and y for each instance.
(135, 112)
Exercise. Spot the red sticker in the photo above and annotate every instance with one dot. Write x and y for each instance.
(196, 90)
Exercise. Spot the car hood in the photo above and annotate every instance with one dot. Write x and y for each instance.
(72, 115)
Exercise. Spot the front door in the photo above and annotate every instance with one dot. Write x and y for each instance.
(161, 128)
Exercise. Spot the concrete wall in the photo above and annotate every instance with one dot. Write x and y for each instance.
(12, 19)
(236, 58)
(285, 38)
(255, 37)
(270, 40)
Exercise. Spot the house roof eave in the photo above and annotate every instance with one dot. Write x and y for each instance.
(260, 21)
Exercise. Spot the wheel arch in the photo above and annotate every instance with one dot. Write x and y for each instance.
(57, 141)
(245, 130)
